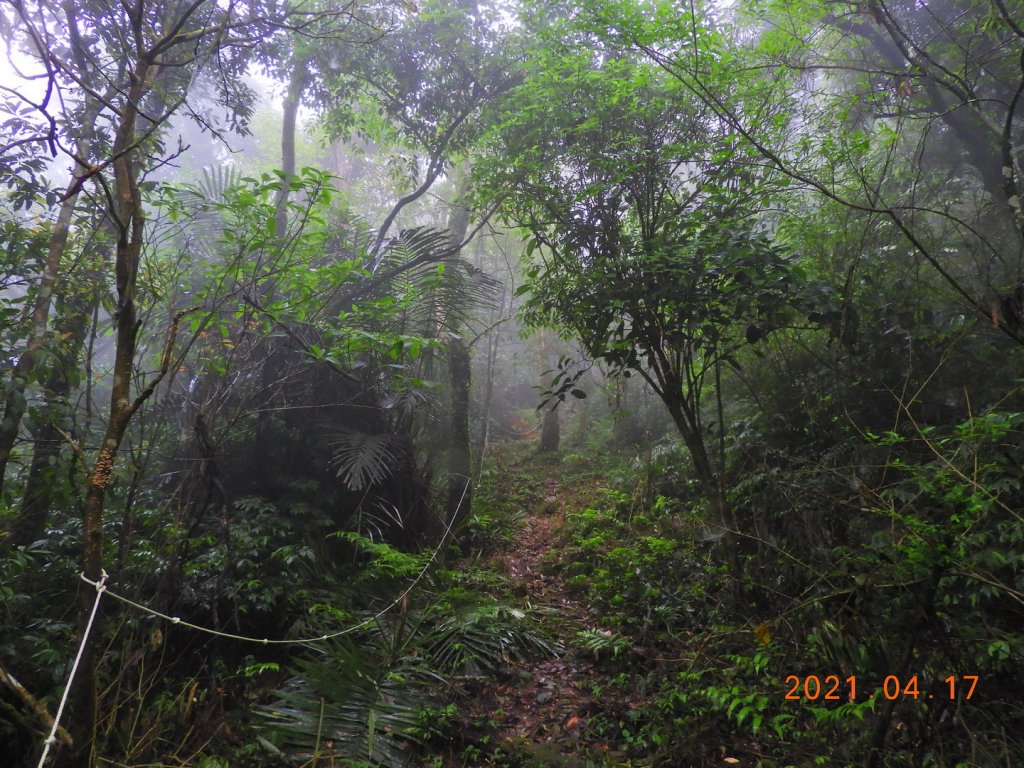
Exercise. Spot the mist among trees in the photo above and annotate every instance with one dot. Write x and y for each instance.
(452, 383)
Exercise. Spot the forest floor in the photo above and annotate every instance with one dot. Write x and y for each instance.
(538, 711)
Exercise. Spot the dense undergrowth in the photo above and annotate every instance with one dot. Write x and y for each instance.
(774, 660)
(779, 664)
(751, 271)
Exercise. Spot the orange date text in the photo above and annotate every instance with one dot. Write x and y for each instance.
(835, 688)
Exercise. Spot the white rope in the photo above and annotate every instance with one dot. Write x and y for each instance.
(101, 587)
(178, 621)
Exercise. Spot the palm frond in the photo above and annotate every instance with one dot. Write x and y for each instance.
(368, 709)
(200, 199)
(414, 247)
(368, 696)
(211, 188)
(217, 181)
(469, 286)
(450, 299)
(362, 459)
(406, 401)
(411, 251)
(480, 638)
(372, 520)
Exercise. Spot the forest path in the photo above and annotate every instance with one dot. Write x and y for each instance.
(538, 709)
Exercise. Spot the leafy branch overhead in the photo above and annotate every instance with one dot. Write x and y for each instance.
(503, 383)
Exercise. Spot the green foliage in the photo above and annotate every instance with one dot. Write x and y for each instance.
(634, 244)
(603, 643)
(353, 707)
(798, 223)
(637, 571)
(476, 639)
(380, 560)
(378, 699)
(485, 531)
(244, 560)
(424, 81)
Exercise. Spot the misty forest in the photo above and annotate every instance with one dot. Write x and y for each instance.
(511, 383)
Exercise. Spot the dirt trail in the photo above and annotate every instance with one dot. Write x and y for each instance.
(542, 706)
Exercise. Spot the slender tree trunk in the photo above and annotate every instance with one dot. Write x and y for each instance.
(703, 466)
(269, 370)
(460, 489)
(582, 422)
(485, 410)
(16, 402)
(292, 102)
(37, 499)
(550, 431)
(710, 481)
(125, 542)
(41, 484)
(129, 221)
(620, 423)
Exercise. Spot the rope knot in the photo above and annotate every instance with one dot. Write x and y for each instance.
(101, 585)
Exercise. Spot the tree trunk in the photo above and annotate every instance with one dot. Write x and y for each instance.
(550, 433)
(16, 402)
(485, 410)
(41, 484)
(129, 220)
(687, 423)
(292, 102)
(460, 489)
